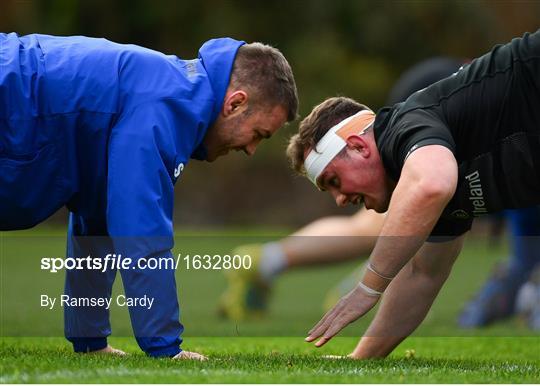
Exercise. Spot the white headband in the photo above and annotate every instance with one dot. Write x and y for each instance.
(328, 147)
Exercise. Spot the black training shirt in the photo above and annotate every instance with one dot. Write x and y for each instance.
(488, 115)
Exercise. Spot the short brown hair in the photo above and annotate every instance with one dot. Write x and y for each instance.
(267, 74)
(313, 127)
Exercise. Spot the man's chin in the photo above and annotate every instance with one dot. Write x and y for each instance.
(376, 206)
(382, 207)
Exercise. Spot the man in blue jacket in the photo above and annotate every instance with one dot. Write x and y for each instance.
(106, 130)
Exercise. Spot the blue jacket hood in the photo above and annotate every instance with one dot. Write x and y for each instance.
(217, 57)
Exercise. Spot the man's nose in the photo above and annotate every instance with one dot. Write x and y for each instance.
(341, 199)
(251, 148)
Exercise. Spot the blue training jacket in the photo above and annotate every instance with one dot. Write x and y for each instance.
(102, 128)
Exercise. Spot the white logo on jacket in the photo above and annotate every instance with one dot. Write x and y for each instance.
(476, 193)
(178, 170)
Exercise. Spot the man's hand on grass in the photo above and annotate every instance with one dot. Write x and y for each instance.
(187, 355)
(109, 350)
(352, 306)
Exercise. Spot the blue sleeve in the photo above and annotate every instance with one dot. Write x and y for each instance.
(140, 185)
(139, 220)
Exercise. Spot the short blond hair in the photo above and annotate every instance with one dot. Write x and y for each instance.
(264, 70)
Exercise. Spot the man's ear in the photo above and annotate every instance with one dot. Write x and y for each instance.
(235, 102)
(358, 144)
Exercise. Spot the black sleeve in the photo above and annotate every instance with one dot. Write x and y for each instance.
(446, 229)
(411, 131)
(420, 128)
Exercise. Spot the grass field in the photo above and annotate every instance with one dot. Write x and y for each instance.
(269, 350)
(278, 360)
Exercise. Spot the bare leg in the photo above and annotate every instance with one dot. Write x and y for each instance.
(333, 239)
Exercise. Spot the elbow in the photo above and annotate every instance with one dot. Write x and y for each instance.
(437, 190)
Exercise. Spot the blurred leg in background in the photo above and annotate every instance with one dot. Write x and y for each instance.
(496, 299)
(329, 240)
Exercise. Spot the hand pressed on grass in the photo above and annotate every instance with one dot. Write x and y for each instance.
(350, 307)
(188, 355)
(109, 350)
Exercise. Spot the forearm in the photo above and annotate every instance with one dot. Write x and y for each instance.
(410, 220)
(406, 303)
(408, 299)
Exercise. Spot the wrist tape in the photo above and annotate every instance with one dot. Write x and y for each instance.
(374, 283)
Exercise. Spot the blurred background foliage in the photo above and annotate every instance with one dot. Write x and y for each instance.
(356, 48)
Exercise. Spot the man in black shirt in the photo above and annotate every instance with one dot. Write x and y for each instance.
(462, 147)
